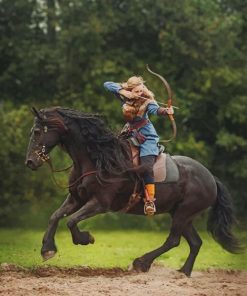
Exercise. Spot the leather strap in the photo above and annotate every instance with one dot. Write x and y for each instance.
(138, 124)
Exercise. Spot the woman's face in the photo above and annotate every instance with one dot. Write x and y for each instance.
(138, 90)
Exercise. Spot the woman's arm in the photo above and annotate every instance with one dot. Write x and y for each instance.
(117, 89)
(154, 108)
(112, 87)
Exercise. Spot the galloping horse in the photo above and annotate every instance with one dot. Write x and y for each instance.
(101, 181)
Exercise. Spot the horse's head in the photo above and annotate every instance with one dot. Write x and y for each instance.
(45, 135)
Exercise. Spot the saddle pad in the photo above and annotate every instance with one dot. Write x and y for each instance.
(165, 169)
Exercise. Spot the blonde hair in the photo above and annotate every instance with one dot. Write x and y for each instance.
(134, 81)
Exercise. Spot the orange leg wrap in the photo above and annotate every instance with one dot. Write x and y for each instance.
(150, 192)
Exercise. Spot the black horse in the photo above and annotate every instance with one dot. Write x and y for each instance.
(101, 181)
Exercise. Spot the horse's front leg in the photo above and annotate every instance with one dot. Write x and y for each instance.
(69, 206)
(90, 209)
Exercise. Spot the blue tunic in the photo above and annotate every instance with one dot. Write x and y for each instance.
(150, 146)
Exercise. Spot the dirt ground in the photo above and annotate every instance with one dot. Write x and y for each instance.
(86, 281)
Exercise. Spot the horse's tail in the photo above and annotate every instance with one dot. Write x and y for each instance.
(220, 220)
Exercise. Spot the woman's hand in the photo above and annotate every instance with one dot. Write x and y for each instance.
(165, 111)
(135, 93)
(169, 110)
(127, 94)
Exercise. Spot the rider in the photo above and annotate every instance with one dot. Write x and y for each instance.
(137, 102)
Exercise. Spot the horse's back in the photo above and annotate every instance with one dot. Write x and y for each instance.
(196, 174)
(192, 165)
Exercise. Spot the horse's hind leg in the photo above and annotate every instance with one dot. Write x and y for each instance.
(180, 222)
(69, 206)
(195, 242)
(143, 263)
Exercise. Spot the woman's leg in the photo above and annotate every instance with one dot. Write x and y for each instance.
(148, 177)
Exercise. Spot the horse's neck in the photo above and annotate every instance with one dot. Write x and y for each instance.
(80, 157)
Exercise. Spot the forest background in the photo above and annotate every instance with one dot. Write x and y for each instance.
(60, 52)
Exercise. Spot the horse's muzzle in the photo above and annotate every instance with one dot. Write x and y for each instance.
(30, 164)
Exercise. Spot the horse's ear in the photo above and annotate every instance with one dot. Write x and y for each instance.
(35, 112)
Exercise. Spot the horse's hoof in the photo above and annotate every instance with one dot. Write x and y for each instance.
(185, 272)
(91, 239)
(83, 238)
(48, 255)
(140, 265)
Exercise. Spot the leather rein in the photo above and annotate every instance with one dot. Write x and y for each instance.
(46, 158)
(133, 200)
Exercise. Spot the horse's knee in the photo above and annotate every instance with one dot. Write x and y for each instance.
(54, 218)
(71, 223)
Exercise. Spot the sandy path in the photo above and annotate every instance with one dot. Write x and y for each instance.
(84, 281)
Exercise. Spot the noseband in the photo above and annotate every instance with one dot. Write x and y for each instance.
(42, 155)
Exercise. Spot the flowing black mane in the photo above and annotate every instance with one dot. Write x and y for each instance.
(109, 153)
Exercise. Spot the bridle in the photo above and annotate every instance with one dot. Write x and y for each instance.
(42, 155)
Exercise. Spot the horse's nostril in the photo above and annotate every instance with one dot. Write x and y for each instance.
(29, 163)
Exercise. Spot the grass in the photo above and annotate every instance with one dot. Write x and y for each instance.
(111, 249)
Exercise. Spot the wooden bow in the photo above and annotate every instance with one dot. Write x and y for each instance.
(169, 104)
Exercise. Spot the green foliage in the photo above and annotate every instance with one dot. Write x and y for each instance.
(60, 53)
(20, 188)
